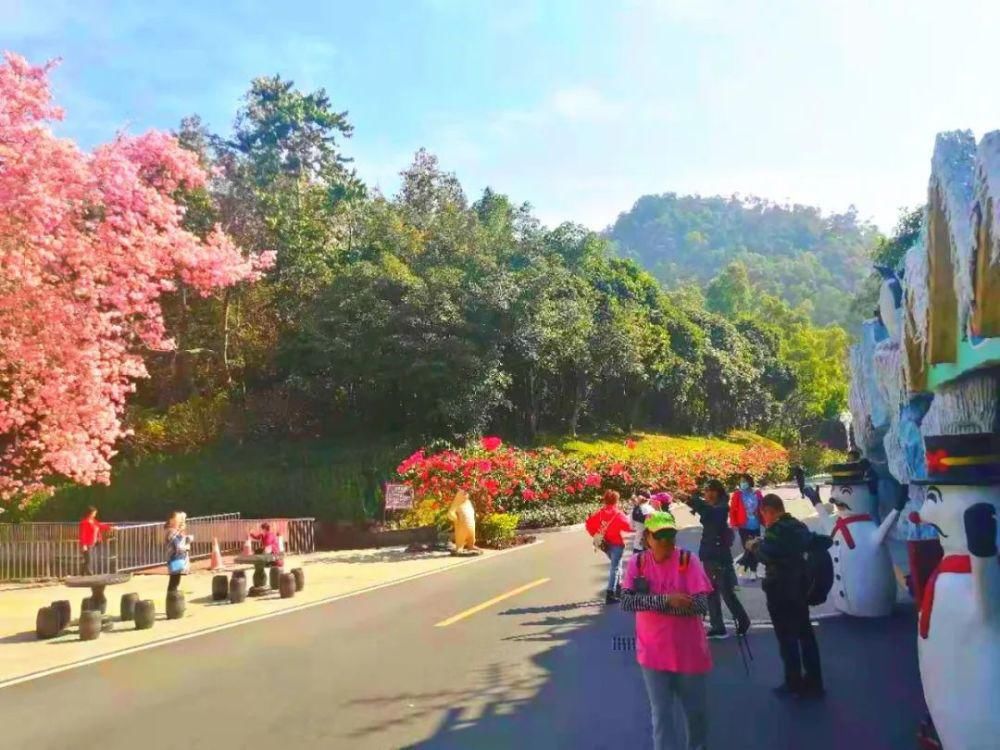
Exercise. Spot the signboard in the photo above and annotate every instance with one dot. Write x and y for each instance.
(398, 496)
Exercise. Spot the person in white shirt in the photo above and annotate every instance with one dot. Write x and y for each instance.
(641, 508)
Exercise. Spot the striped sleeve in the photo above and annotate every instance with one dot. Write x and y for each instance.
(634, 602)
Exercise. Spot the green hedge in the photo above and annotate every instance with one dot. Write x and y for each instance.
(325, 479)
(546, 516)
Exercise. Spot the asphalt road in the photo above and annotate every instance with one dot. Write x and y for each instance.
(548, 667)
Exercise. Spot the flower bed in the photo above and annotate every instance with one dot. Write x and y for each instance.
(503, 479)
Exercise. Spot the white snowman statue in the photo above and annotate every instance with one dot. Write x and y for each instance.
(864, 583)
(959, 626)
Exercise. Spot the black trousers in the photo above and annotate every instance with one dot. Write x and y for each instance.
(175, 581)
(749, 560)
(85, 553)
(723, 579)
(797, 642)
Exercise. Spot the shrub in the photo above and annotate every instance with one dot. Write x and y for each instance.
(501, 479)
(495, 529)
(182, 428)
(549, 515)
(429, 511)
(814, 457)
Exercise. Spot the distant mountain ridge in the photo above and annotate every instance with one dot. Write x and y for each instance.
(794, 252)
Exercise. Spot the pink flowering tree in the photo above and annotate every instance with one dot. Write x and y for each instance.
(89, 243)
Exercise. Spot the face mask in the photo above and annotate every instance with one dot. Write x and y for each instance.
(744, 485)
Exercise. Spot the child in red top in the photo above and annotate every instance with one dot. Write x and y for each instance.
(90, 534)
(607, 524)
(269, 542)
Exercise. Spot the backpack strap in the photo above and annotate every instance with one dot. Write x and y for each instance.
(685, 559)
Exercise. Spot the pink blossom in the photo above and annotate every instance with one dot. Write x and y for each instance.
(89, 243)
(593, 480)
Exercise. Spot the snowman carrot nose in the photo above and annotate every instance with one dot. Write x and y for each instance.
(914, 517)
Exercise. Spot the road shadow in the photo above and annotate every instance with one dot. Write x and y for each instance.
(23, 637)
(585, 690)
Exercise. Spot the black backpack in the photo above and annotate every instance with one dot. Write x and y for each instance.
(637, 514)
(819, 570)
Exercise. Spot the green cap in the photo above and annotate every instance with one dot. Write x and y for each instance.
(661, 520)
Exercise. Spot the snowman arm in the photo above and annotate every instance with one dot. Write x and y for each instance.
(825, 518)
(986, 585)
(886, 526)
(981, 535)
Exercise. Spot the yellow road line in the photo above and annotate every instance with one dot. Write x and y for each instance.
(491, 602)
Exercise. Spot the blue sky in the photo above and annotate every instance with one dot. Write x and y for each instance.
(578, 107)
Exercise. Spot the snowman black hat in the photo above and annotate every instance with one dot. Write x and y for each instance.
(852, 472)
(971, 459)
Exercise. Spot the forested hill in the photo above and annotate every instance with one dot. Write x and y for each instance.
(794, 252)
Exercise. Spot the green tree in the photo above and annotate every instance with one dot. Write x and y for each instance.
(729, 294)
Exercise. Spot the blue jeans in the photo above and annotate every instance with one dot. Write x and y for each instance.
(669, 691)
(614, 553)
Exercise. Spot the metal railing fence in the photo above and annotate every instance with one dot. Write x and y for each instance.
(51, 550)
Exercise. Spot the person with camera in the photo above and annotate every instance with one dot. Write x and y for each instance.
(668, 590)
(178, 549)
(606, 526)
(782, 549)
(716, 552)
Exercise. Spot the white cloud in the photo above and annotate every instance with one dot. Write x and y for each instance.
(582, 103)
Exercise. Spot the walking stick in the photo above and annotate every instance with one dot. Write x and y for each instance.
(744, 646)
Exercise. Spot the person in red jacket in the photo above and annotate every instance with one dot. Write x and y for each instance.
(91, 531)
(744, 516)
(606, 526)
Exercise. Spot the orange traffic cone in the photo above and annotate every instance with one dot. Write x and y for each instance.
(216, 562)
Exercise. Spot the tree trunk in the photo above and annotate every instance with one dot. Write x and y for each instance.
(183, 381)
(226, 302)
(532, 405)
(580, 393)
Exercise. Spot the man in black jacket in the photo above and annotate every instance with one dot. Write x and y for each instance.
(782, 550)
(716, 555)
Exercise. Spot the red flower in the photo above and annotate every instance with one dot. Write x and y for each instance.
(528, 494)
(490, 443)
(484, 466)
(491, 486)
(630, 444)
(616, 469)
(935, 461)
(570, 489)
(593, 480)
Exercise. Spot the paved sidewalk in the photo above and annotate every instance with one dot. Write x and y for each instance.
(328, 575)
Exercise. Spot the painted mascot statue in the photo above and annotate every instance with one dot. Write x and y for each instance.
(864, 582)
(959, 625)
(463, 515)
